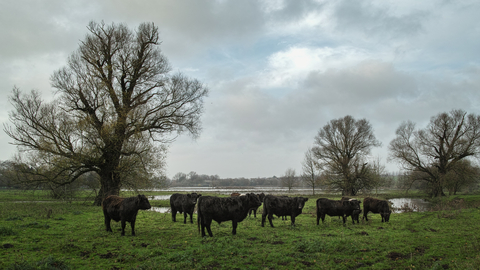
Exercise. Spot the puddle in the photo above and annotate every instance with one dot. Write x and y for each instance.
(401, 205)
(160, 209)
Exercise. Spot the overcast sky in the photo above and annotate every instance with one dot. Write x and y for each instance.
(277, 71)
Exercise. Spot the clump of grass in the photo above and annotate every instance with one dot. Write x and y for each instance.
(5, 231)
(49, 263)
(13, 218)
(35, 225)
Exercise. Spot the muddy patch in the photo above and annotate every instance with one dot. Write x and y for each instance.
(394, 256)
(107, 255)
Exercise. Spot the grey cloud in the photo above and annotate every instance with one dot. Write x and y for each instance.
(362, 17)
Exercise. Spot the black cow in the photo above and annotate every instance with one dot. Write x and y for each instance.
(183, 203)
(224, 209)
(123, 209)
(282, 206)
(377, 207)
(253, 210)
(340, 208)
(356, 213)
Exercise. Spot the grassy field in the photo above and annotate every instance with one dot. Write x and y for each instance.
(71, 235)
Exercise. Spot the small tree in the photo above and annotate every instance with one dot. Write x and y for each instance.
(310, 175)
(289, 180)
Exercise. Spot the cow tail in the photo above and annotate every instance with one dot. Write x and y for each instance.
(199, 219)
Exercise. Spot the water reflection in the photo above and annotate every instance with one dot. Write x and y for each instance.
(401, 205)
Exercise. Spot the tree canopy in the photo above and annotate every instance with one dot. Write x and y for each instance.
(117, 106)
(341, 148)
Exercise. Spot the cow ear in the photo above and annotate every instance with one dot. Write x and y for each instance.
(199, 195)
(306, 199)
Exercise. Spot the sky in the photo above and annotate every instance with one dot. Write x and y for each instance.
(277, 71)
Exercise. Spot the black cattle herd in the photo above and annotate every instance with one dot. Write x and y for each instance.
(237, 207)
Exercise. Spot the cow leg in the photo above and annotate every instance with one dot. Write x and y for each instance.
(185, 215)
(234, 226)
(255, 213)
(191, 217)
(292, 218)
(107, 223)
(318, 218)
(323, 217)
(174, 213)
(344, 219)
(264, 215)
(123, 222)
(202, 225)
(270, 218)
(365, 214)
(132, 224)
(208, 223)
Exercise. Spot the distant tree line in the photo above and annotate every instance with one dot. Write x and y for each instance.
(193, 179)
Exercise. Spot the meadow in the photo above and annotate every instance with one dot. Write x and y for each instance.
(71, 235)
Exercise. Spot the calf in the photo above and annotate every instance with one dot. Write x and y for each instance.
(224, 209)
(341, 208)
(253, 210)
(282, 206)
(377, 207)
(123, 209)
(183, 203)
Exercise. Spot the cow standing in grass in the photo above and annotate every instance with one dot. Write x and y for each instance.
(282, 206)
(376, 206)
(123, 209)
(342, 208)
(183, 203)
(223, 209)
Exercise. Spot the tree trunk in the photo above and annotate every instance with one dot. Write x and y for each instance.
(109, 185)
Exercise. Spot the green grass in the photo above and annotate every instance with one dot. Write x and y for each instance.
(55, 235)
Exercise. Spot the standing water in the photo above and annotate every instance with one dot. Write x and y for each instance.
(401, 205)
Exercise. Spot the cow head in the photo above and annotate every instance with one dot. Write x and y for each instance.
(192, 197)
(300, 202)
(253, 200)
(355, 203)
(142, 202)
(261, 196)
(386, 215)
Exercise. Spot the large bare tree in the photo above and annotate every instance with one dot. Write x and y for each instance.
(117, 105)
(341, 149)
(433, 152)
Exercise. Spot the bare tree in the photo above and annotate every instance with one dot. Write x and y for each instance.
(310, 175)
(289, 180)
(341, 148)
(377, 174)
(117, 107)
(432, 153)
